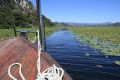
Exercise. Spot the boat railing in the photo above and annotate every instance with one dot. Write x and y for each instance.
(25, 33)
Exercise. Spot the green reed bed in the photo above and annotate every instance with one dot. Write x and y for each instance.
(50, 30)
(106, 39)
(9, 33)
(6, 34)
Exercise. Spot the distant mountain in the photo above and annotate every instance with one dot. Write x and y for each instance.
(87, 24)
(74, 24)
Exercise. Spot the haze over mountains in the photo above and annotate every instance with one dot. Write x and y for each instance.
(116, 24)
(78, 24)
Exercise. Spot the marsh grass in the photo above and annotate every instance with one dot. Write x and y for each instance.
(107, 39)
(9, 33)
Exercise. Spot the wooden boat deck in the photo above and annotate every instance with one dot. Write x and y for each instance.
(21, 51)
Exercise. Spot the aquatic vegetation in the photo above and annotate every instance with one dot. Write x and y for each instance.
(105, 39)
(9, 33)
(5, 33)
(117, 62)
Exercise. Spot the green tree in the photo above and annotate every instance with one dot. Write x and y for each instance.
(12, 14)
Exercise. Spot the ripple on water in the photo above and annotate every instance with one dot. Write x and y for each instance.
(81, 61)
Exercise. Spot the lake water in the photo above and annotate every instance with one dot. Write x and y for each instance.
(81, 61)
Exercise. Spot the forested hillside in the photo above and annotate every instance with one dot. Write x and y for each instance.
(19, 13)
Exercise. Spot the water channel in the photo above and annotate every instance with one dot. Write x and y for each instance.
(81, 61)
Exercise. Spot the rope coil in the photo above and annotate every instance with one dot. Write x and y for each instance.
(51, 73)
(20, 71)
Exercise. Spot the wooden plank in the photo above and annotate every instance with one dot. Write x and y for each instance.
(25, 61)
(48, 61)
(11, 57)
(16, 54)
(51, 61)
(24, 52)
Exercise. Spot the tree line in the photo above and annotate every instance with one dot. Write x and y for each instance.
(11, 15)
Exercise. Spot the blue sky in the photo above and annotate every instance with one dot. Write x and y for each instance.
(81, 11)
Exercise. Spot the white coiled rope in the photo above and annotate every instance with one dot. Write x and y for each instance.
(51, 73)
(20, 71)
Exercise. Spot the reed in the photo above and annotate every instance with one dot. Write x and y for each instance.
(9, 33)
(106, 39)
